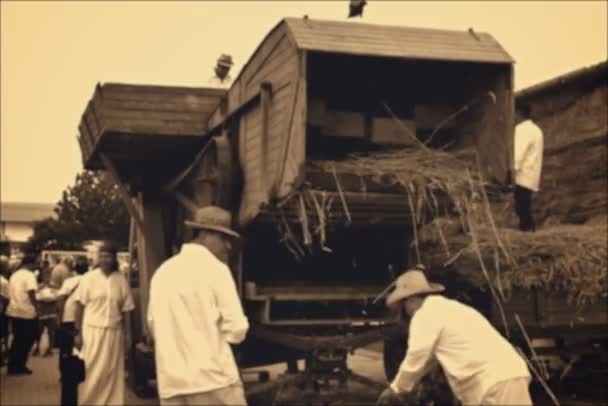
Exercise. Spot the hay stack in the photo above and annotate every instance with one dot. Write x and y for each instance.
(570, 259)
(574, 185)
(433, 183)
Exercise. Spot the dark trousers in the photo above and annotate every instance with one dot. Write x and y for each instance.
(51, 328)
(24, 335)
(69, 385)
(523, 208)
(3, 337)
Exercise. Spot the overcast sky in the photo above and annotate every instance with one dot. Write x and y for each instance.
(53, 54)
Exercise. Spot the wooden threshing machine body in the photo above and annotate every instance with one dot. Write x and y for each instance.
(312, 90)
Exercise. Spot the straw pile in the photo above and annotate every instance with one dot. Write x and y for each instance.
(433, 183)
(570, 259)
(419, 172)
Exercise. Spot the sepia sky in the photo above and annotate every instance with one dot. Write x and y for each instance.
(53, 54)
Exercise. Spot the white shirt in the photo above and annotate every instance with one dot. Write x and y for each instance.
(67, 288)
(473, 355)
(195, 313)
(20, 305)
(105, 298)
(4, 287)
(528, 155)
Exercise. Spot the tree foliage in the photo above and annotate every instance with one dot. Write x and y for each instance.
(91, 209)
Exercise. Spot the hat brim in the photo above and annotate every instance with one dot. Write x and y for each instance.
(211, 227)
(400, 294)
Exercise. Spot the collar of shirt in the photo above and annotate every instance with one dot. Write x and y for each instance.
(193, 249)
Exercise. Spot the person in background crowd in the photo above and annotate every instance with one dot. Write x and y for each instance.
(46, 296)
(14, 262)
(528, 146)
(195, 314)
(41, 270)
(481, 366)
(23, 311)
(67, 330)
(4, 297)
(61, 271)
(102, 297)
(93, 255)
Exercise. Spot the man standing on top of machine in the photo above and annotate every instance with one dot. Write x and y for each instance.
(528, 147)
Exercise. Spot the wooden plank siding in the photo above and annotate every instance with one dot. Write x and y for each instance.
(495, 137)
(275, 67)
(399, 42)
(274, 62)
(295, 150)
(236, 96)
(125, 120)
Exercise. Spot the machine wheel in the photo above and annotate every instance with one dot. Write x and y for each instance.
(394, 352)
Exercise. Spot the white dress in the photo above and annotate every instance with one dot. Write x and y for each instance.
(105, 299)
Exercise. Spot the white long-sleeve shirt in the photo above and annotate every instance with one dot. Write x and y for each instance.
(195, 314)
(528, 148)
(473, 355)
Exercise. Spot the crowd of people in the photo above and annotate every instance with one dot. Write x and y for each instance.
(79, 302)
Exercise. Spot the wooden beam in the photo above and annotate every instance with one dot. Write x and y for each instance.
(265, 95)
(122, 190)
(151, 249)
(252, 100)
(175, 182)
(185, 201)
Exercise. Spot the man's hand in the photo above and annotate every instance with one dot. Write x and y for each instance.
(387, 397)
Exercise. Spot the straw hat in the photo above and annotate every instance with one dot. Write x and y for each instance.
(213, 218)
(411, 283)
(225, 60)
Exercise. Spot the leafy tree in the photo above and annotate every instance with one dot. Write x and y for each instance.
(91, 209)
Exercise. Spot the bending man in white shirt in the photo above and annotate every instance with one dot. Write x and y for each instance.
(195, 314)
(480, 365)
(528, 147)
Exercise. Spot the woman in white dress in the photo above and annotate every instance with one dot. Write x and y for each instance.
(103, 297)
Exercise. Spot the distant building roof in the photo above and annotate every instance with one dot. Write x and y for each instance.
(394, 41)
(590, 75)
(25, 212)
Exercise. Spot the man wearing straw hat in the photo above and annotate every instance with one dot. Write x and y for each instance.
(221, 69)
(480, 365)
(195, 314)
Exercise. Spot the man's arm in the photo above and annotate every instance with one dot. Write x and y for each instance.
(62, 297)
(80, 301)
(32, 296)
(32, 288)
(78, 316)
(150, 315)
(423, 334)
(127, 306)
(233, 324)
